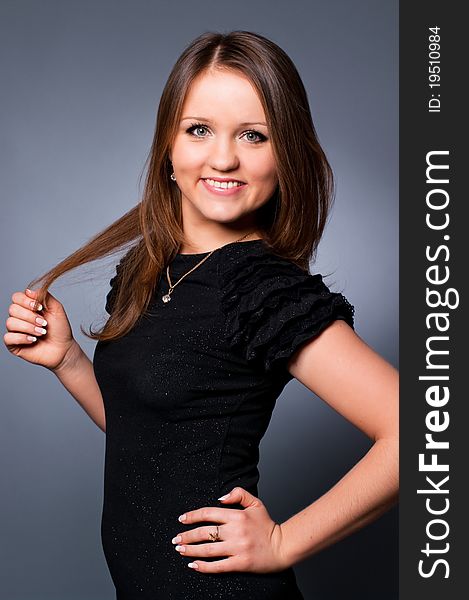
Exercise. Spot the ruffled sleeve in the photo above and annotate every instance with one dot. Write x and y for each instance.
(272, 307)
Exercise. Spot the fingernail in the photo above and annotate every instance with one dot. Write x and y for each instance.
(193, 565)
(176, 539)
(28, 290)
(224, 497)
(41, 321)
(31, 338)
(180, 548)
(32, 304)
(182, 517)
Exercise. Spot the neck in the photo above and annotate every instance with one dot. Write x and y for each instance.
(210, 243)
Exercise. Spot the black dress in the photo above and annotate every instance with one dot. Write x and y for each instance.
(188, 395)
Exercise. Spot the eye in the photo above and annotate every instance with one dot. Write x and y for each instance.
(196, 127)
(260, 136)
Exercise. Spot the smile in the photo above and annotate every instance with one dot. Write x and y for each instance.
(223, 187)
(224, 184)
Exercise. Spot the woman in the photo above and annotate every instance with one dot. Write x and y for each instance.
(212, 311)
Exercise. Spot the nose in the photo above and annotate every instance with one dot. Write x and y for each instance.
(223, 155)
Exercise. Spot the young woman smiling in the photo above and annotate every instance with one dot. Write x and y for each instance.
(212, 310)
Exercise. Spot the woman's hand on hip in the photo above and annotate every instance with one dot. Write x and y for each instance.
(248, 538)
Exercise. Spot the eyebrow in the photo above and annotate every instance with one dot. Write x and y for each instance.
(210, 121)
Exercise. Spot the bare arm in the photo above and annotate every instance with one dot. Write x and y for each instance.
(359, 384)
(53, 348)
(76, 374)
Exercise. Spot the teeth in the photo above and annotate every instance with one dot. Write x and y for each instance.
(223, 184)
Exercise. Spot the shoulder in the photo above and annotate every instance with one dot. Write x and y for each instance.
(272, 306)
(244, 262)
(261, 278)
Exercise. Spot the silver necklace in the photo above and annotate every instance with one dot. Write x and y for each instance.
(167, 297)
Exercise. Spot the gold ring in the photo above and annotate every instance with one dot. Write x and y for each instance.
(214, 537)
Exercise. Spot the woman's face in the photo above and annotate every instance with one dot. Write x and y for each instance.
(223, 136)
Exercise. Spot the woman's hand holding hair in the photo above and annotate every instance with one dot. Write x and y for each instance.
(49, 344)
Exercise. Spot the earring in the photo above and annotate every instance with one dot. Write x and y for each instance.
(173, 176)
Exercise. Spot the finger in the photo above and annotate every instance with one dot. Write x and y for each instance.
(26, 314)
(241, 496)
(53, 305)
(217, 566)
(209, 513)
(19, 326)
(201, 534)
(210, 549)
(15, 339)
(23, 300)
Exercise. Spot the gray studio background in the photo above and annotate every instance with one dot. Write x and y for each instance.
(79, 88)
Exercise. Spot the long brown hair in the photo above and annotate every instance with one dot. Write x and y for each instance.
(292, 220)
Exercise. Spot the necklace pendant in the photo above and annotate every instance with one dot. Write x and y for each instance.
(166, 298)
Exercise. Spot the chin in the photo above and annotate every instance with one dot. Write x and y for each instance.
(223, 214)
(224, 218)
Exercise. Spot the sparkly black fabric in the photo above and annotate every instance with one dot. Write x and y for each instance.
(188, 394)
